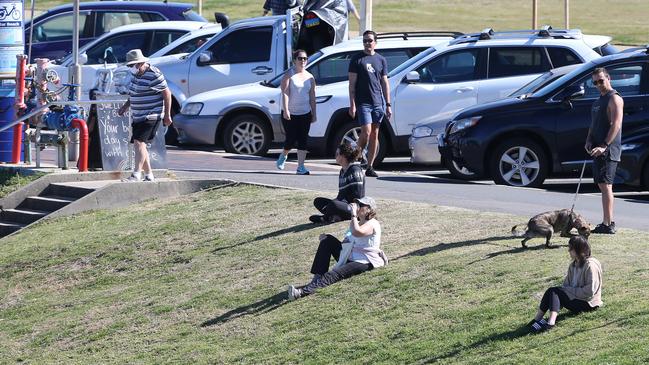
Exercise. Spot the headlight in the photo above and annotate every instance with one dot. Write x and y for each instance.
(322, 99)
(192, 108)
(422, 131)
(462, 124)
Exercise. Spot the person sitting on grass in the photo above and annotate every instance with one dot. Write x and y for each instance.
(351, 185)
(359, 252)
(581, 290)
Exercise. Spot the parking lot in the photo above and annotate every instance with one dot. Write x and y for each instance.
(401, 180)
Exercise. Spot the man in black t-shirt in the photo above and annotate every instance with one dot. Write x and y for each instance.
(369, 94)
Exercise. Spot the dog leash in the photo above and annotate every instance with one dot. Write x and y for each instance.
(583, 167)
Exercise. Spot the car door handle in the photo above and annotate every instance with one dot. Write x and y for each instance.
(261, 70)
(464, 89)
(633, 110)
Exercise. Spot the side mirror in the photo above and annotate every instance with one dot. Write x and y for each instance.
(571, 92)
(222, 19)
(412, 77)
(83, 58)
(204, 58)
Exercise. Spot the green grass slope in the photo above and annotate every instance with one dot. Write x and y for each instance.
(202, 279)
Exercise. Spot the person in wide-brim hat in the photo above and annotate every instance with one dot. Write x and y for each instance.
(135, 56)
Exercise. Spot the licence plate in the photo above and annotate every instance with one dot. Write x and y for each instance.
(313, 22)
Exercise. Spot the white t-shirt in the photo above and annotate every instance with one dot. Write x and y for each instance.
(373, 240)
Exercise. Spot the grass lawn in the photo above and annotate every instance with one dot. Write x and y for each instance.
(625, 20)
(12, 180)
(202, 279)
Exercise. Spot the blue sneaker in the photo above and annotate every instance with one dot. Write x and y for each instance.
(301, 170)
(280, 161)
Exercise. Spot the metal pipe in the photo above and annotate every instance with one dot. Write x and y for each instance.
(535, 13)
(74, 70)
(83, 143)
(46, 106)
(17, 143)
(566, 6)
(31, 32)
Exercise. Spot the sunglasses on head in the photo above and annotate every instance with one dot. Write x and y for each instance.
(300, 58)
(599, 82)
(368, 40)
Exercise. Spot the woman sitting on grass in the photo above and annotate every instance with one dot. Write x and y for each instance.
(581, 290)
(351, 185)
(362, 251)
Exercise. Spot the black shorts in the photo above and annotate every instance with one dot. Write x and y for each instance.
(145, 131)
(604, 170)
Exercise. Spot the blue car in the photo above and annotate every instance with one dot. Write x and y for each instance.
(521, 140)
(52, 32)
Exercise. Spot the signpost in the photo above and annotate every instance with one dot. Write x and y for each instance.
(12, 41)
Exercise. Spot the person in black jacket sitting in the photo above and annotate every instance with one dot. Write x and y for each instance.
(351, 186)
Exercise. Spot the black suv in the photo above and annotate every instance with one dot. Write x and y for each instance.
(519, 141)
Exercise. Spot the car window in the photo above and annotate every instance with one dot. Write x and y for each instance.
(562, 57)
(155, 17)
(394, 57)
(190, 45)
(455, 66)
(58, 28)
(625, 79)
(515, 61)
(107, 21)
(243, 46)
(114, 48)
(161, 38)
(334, 68)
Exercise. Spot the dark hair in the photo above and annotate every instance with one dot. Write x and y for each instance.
(373, 33)
(297, 52)
(599, 70)
(350, 153)
(371, 214)
(580, 245)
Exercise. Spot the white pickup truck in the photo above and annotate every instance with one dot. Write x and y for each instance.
(249, 50)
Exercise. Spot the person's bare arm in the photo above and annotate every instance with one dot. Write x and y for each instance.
(385, 86)
(285, 95)
(352, 94)
(314, 117)
(166, 96)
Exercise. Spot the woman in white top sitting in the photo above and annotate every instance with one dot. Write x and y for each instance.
(298, 110)
(365, 253)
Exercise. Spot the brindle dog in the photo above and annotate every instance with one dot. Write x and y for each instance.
(545, 224)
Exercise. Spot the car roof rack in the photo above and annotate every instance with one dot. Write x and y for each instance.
(544, 32)
(425, 33)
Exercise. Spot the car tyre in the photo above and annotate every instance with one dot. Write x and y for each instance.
(460, 172)
(247, 134)
(519, 162)
(350, 132)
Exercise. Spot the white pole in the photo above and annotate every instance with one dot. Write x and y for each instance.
(366, 15)
(200, 7)
(567, 13)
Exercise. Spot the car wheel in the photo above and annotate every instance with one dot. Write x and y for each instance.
(350, 132)
(247, 134)
(519, 162)
(460, 172)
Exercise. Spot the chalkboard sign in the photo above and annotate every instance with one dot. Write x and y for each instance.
(117, 153)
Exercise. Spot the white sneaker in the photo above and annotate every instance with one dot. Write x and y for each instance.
(149, 178)
(133, 178)
(293, 293)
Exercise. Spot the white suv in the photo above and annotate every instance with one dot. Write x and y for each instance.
(246, 118)
(468, 70)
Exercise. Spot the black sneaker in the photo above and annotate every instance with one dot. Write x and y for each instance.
(318, 219)
(370, 172)
(605, 229)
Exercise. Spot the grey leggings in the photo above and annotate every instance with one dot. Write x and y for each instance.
(331, 247)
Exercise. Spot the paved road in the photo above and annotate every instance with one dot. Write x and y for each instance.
(399, 180)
